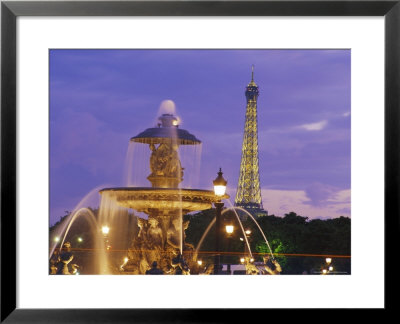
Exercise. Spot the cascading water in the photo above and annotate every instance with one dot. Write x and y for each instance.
(243, 231)
(213, 222)
(91, 197)
(204, 236)
(91, 219)
(258, 225)
(159, 234)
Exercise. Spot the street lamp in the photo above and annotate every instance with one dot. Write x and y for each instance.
(329, 266)
(105, 230)
(219, 185)
(229, 230)
(247, 232)
(219, 190)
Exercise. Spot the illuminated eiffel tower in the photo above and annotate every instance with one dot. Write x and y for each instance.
(248, 195)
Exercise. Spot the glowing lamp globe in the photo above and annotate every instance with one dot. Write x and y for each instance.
(229, 229)
(105, 230)
(219, 184)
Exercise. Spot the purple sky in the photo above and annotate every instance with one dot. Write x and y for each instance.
(101, 98)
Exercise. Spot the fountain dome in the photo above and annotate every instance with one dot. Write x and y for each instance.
(167, 130)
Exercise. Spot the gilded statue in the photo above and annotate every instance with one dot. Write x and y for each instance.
(64, 258)
(271, 266)
(164, 161)
(251, 269)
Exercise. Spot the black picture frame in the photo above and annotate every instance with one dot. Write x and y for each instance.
(10, 10)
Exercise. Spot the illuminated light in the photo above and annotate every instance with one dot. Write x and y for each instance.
(330, 268)
(80, 239)
(242, 260)
(105, 229)
(241, 238)
(219, 184)
(199, 262)
(248, 232)
(219, 190)
(328, 260)
(56, 239)
(175, 123)
(251, 260)
(324, 271)
(229, 229)
(126, 259)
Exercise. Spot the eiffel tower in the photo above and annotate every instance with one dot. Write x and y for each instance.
(248, 195)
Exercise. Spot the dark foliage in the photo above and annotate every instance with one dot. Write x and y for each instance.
(293, 236)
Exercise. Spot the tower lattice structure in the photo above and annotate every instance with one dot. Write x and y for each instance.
(248, 193)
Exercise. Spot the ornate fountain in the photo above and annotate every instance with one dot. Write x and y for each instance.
(161, 237)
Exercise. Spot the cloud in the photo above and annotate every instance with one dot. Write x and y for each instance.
(319, 193)
(346, 114)
(330, 203)
(314, 126)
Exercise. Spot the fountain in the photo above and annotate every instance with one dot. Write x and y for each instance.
(161, 237)
(156, 241)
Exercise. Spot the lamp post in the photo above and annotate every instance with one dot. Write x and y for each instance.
(105, 230)
(219, 190)
(247, 232)
(329, 267)
(229, 230)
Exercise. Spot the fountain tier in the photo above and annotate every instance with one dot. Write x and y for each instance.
(164, 200)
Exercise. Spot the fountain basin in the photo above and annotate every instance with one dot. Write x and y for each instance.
(167, 199)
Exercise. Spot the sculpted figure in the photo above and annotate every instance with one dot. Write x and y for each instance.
(271, 266)
(65, 258)
(173, 234)
(180, 266)
(142, 224)
(135, 253)
(164, 161)
(174, 168)
(55, 258)
(143, 265)
(251, 269)
(154, 233)
(159, 159)
(154, 241)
